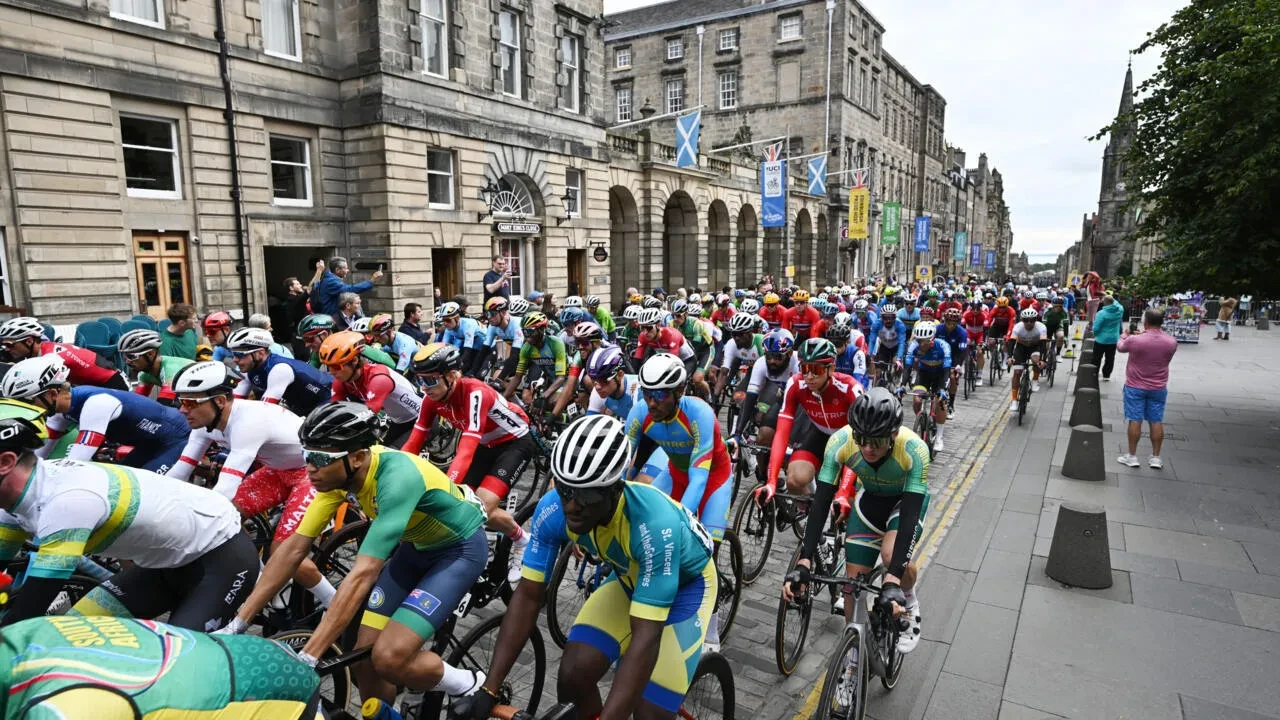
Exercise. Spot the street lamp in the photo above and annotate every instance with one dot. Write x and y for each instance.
(570, 203)
(488, 193)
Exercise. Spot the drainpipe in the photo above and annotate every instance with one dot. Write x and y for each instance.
(228, 113)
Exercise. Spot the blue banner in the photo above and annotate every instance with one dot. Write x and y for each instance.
(773, 189)
(922, 233)
(818, 175)
(991, 259)
(961, 246)
(687, 127)
(975, 254)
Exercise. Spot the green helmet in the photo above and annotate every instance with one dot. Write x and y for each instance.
(817, 350)
(315, 323)
(21, 426)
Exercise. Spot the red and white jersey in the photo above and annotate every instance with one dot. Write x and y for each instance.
(975, 322)
(255, 430)
(86, 366)
(477, 410)
(382, 390)
(828, 410)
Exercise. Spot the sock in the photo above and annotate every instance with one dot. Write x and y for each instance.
(937, 435)
(323, 591)
(813, 486)
(455, 681)
(518, 536)
(910, 595)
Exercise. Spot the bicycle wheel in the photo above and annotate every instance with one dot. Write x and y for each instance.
(711, 693)
(993, 364)
(570, 586)
(335, 687)
(530, 486)
(1052, 368)
(791, 627)
(968, 372)
(1024, 394)
(921, 428)
(844, 692)
(337, 554)
(754, 527)
(729, 581)
(523, 684)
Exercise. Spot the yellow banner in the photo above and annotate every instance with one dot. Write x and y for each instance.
(859, 212)
(924, 273)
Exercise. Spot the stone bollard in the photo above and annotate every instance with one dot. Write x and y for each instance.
(1088, 331)
(1087, 408)
(1084, 460)
(1079, 555)
(1086, 351)
(1263, 322)
(1086, 376)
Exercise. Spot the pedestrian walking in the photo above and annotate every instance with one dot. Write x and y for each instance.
(1245, 310)
(1225, 311)
(1146, 384)
(1106, 333)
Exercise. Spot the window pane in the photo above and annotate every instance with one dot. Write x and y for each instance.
(440, 178)
(507, 27)
(149, 170)
(278, 32)
(177, 293)
(286, 150)
(435, 8)
(288, 182)
(150, 283)
(149, 133)
(141, 9)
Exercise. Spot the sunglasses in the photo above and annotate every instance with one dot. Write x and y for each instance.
(429, 381)
(192, 403)
(242, 353)
(648, 328)
(320, 458)
(656, 395)
(581, 496)
(491, 313)
(873, 442)
(814, 368)
(134, 356)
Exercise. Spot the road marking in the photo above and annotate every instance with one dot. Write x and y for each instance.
(952, 500)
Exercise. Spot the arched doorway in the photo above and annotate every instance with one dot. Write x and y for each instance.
(804, 249)
(826, 274)
(748, 247)
(680, 242)
(518, 198)
(624, 244)
(718, 246)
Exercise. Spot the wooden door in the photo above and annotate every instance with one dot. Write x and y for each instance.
(578, 272)
(164, 278)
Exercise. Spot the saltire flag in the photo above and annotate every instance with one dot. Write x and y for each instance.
(687, 127)
(818, 175)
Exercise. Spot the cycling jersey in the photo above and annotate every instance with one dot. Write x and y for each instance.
(605, 321)
(1055, 320)
(370, 353)
(169, 366)
(852, 360)
(935, 359)
(827, 411)
(1000, 320)
(484, 417)
(696, 453)
(760, 374)
(801, 321)
(255, 431)
(975, 323)
(549, 357)
(402, 348)
(909, 318)
(862, 323)
(669, 340)
(745, 355)
(774, 315)
(510, 333)
(1023, 335)
(156, 433)
(957, 338)
(620, 406)
(301, 387)
(893, 337)
(87, 367)
(109, 668)
(722, 315)
(382, 391)
(466, 336)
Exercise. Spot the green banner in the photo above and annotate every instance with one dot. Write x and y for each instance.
(892, 223)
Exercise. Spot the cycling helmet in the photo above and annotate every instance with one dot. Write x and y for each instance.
(312, 324)
(742, 323)
(592, 452)
(360, 325)
(926, 312)
(572, 315)
(679, 306)
(649, 316)
(207, 378)
(839, 333)
(889, 309)
(830, 309)
(722, 299)
(439, 315)
(750, 306)
(341, 348)
(695, 309)
(817, 350)
(533, 321)
(662, 372)
(635, 299)
(1058, 300)
(1029, 314)
(771, 299)
(843, 318)
(1002, 301)
(449, 310)
(739, 293)
(695, 299)
(952, 314)
(136, 342)
(216, 321)
(909, 299)
(519, 307)
(248, 339)
(381, 324)
(824, 296)
(591, 301)
(573, 301)
(933, 292)
(861, 305)
(779, 341)
(21, 328)
(21, 426)
(651, 302)
(820, 305)
(631, 312)
(345, 426)
(33, 376)
(437, 358)
(495, 304)
(587, 331)
(800, 296)
(1028, 293)
(924, 331)
(604, 363)
(875, 414)
(1042, 295)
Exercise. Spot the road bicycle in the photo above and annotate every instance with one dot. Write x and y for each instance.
(792, 625)
(971, 374)
(887, 374)
(995, 361)
(925, 425)
(868, 647)
(755, 524)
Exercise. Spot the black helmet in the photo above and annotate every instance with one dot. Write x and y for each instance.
(876, 413)
(839, 333)
(21, 426)
(342, 426)
(436, 358)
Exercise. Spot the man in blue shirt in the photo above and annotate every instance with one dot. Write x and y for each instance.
(331, 285)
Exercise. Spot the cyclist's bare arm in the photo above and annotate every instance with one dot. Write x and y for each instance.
(279, 570)
(352, 594)
(517, 623)
(512, 385)
(634, 669)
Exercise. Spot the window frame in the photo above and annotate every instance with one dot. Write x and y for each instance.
(732, 33)
(158, 23)
(517, 64)
(297, 32)
(175, 151)
(617, 57)
(574, 73)
(309, 200)
(783, 22)
(424, 20)
(617, 102)
(721, 77)
(451, 175)
(666, 95)
(577, 191)
(676, 43)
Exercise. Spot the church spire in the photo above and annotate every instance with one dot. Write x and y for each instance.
(1126, 95)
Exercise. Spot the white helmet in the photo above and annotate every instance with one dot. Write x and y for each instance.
(591, 301)
(742, 322)
(631, 312)
(750, 306)
(592, 451)
(573, 301)
(21, 328)
(662, 372)
(650, 316)
(33, 376)
(1029, 314)
(519, 307)
(206, 378)
(136, 342)
(695, 299)
(924, 331)
(843, 318)
(248, 339)
(360, 325)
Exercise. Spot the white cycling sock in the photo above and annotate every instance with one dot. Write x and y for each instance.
(910, 595)
(937, 435)
(323, 591)
(455, 680)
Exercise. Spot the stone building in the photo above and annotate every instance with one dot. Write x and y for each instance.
(1106, 245)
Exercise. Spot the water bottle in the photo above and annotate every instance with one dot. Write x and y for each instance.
(376, 709)
(93, 569)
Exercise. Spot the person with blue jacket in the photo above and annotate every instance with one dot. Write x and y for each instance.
(888, 340)
(331, 285)
(1106, 334)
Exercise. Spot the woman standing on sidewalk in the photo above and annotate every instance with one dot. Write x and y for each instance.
(1225, 311)
(1106, 333)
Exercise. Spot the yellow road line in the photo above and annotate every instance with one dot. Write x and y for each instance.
(953, 499)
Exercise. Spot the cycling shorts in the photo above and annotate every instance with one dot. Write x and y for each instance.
(934, 379)
(1022, 353)
(808, 443)
(202, 595)
(497, 468)
(770, 397)
(702, 358)
(886, 353)
(420, 589)
(266, 488)
(713, 510)
(718, 359)
(976, 335)
(871, 517)
(604, 623)
(158, 456)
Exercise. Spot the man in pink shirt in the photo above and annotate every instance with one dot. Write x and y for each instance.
(1146, 380)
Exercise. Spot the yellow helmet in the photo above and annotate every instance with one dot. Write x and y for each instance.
(800, 296)
(1002, 301)
(771, 299)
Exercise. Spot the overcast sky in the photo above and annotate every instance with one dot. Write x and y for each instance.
(1025, 82)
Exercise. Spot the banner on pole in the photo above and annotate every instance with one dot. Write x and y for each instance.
(924, 273)
(961, 246)
(892, 223)
(922, 233)
(859, 213)
(687, 128)
(773, 188)
(991, 260)
(975, 254)
(818, 175)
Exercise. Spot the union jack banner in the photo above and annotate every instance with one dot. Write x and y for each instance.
(860, 177)
(773, 153)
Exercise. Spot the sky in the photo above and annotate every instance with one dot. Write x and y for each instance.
(1027, 83)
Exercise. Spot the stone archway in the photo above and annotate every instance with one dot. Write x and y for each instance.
(748, 247)
(826, 274)
(804, 249)
(718, 256)
(625, 264)
(679, 242)
(774, 249)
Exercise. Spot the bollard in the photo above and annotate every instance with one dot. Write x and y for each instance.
(1263, 322)
(1087, 408)
(1084, 460)
(1079, 555)
(1088, 331)
(1086, 376)
(1086, 351)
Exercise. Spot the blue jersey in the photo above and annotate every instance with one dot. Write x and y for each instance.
(402, 348)
(909, 318)
(511, 333)
(310, 388)
(936, 358)
(895, 336)
(957, 339)
(141, 421)
(622, 405)
(466, 336)
(691, 440)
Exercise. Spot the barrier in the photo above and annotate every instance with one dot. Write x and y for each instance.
(1079, 555)
(1084, 460)
(1086, 376)
(1087, 407)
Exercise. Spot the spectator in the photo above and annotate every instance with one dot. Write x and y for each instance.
(660, 293)
(1093, 294)
(258, 320)
(497, 281)
(632, 292)
(295, 302)
(331, 286)
(179, 339)
(1146, 381)
(1106, 333)
(412, 324)
(348, 309)
(1225, 311)
(1245, 308)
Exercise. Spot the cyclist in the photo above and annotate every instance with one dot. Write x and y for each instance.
(655, 337)
(601, 316)
(773, 312)
(851, 359)
(461, 332)
(951, 302)
(545, 352)
(975, 321)
(909, 314)
(629, 334)
(569, 319)
(699, 337)
(1000, 321)
(155, 433)
(505, 328)
(1027, 341)
(216, 327)
(888, 339)
(141, 351)
(649, 617)
(825, 395)
(424, 549)
(769, 375)
(23, 337)
(863, 316)
(185, 551)
(587, 336)
(957, 338)
(1056, 322)
(801, 318)
(743, 348)
(616, 393)
(314, 329)
(381, 390)
(930, 357)
(892, 468)
(382, 330)
(724, 311)
(276, 378)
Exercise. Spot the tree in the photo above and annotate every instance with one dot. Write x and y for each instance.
(1205, 162)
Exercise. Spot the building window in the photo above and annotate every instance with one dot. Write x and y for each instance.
(729, 39)
(440, 179)
(866, 34)
(875, 94)
(290, 171)
(6, 292)
(571, 66)
(622, 112)
(151, 168)
(788, 82)
(573, 188)
(143, 12)
(851, 79)
(675, 95)
(509, 49)
(435, 36)
(863, 89)
(853, 25)
(875, 44)
(789, 27)
(727, 83)
(675, 48)
(281, 31)
(622, 57)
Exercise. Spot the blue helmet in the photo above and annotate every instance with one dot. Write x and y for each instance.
(572, 315)
(739, 293)
(779, 341)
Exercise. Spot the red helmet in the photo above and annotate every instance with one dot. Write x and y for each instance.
(216, 321)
